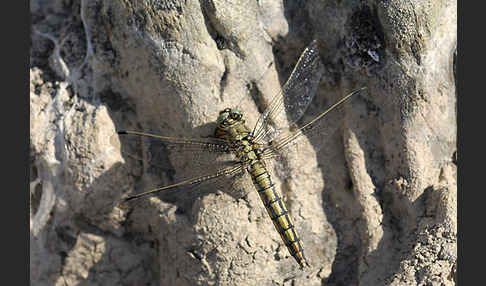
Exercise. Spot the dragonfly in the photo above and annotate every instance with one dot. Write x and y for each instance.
(250, 151)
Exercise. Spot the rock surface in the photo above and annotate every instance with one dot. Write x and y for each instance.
(375, 205)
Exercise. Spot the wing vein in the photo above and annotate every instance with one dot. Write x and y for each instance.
(225, 171)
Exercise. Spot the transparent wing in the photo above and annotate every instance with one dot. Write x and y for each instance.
(154, 150)
(315, 131)
(219, 175)
(233, 181)
(180, 169)
(294, 97)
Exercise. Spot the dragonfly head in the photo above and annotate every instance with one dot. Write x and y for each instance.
(229, 116)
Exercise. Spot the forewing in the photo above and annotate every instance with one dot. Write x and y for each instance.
(162, 154)
(314, 131)
(180, 169)
(295, 96)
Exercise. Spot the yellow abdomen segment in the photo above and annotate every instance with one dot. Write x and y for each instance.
(277, 211)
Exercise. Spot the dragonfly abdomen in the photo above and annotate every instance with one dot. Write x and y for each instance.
(277, 210)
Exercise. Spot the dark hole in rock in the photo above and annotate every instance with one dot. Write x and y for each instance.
(35, 198)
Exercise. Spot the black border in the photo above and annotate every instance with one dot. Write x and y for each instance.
(15, 120)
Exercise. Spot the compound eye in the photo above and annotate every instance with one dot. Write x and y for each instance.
(236, 115)
(222, 117)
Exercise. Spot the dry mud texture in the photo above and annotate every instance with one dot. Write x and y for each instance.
(376, 205)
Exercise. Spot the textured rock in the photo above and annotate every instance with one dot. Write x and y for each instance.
(374, 205)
